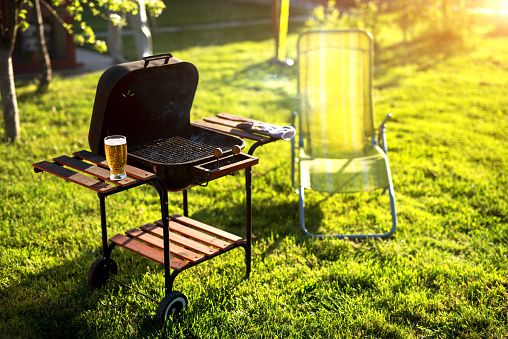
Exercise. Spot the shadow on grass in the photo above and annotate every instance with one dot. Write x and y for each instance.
(424, 53)
(40, 307)
(59, 303)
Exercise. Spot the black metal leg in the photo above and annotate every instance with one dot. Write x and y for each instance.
(165, 222)
(169, 282)
(104, 227)
(253, 148)
(185, 204)
(248, 216)
(111, 246)
(163, 197)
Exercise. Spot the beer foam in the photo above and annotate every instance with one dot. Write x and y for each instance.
(115, 142)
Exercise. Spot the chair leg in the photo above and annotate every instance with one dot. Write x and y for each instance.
(349, 236)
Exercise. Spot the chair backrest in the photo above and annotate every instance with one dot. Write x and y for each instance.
(335, 81)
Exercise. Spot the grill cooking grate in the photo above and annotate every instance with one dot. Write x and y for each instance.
(177, 149)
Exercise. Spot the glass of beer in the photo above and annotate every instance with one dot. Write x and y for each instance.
(116, 154)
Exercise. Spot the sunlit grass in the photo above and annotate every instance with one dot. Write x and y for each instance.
(442, 275)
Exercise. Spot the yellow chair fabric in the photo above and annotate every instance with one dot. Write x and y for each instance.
(337, 151)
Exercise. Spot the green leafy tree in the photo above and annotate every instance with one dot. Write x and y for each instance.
(46, 73)
(366, 14)
(435, 17)
(363, 14)
(12, 18)
(409, 15)
(10, 15)
(327, 17)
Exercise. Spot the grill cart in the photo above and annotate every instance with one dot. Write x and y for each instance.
(149, 101)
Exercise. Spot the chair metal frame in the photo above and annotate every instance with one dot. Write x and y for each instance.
(381, 138)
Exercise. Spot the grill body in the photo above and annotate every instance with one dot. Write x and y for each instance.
(149, 101)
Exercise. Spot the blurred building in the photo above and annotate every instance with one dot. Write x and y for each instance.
(26, 55)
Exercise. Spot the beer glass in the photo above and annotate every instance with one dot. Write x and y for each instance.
(116, 154)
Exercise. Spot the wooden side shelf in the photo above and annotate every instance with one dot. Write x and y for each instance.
(191, 242)
(91, 171)
(74, 177)
(101, 161)
(231, 124)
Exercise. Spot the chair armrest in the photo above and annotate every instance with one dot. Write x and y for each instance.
(293, 151)
(382, 132)
(386, 119)
(293, 119)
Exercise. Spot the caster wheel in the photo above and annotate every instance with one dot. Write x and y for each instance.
(98, 273)
(171, 307)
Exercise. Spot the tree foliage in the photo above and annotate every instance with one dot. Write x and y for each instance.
(415, 18)
(107, 9)
(13, 18)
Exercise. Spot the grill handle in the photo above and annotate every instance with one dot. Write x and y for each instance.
(165, 56)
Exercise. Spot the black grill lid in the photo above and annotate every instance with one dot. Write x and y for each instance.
(150, 96)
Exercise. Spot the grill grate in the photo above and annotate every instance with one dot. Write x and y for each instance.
(178, 149)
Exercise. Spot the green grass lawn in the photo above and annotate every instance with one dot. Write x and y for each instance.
(444, 274)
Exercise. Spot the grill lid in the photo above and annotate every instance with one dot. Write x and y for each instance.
(152, 96)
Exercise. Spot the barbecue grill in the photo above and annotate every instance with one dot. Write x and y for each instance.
(149, 101)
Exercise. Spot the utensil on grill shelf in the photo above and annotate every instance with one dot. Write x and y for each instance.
(236, 150)
(217, 153)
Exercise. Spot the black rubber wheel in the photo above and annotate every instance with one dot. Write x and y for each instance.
(171, 307)
(98, 273)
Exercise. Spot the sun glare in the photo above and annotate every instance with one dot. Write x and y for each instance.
(496, 7)
(502, 5)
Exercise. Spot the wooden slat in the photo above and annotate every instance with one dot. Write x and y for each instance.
(180, 240)
(232, 131)
(233, 117)
(92, 157)
(225, 122)
(74, 177)
(207, 228)
(197, 235)
(96, 171)
(147, 251)
(132, 171)
(159, 243)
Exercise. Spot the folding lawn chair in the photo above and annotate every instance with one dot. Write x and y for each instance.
(338, 151)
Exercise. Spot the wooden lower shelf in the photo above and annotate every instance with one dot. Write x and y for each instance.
(191, 242)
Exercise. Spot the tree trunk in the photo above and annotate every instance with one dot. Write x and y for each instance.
(9, 100)
(444, 9)
(46, 73)
(8, 20)
(275, 25)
